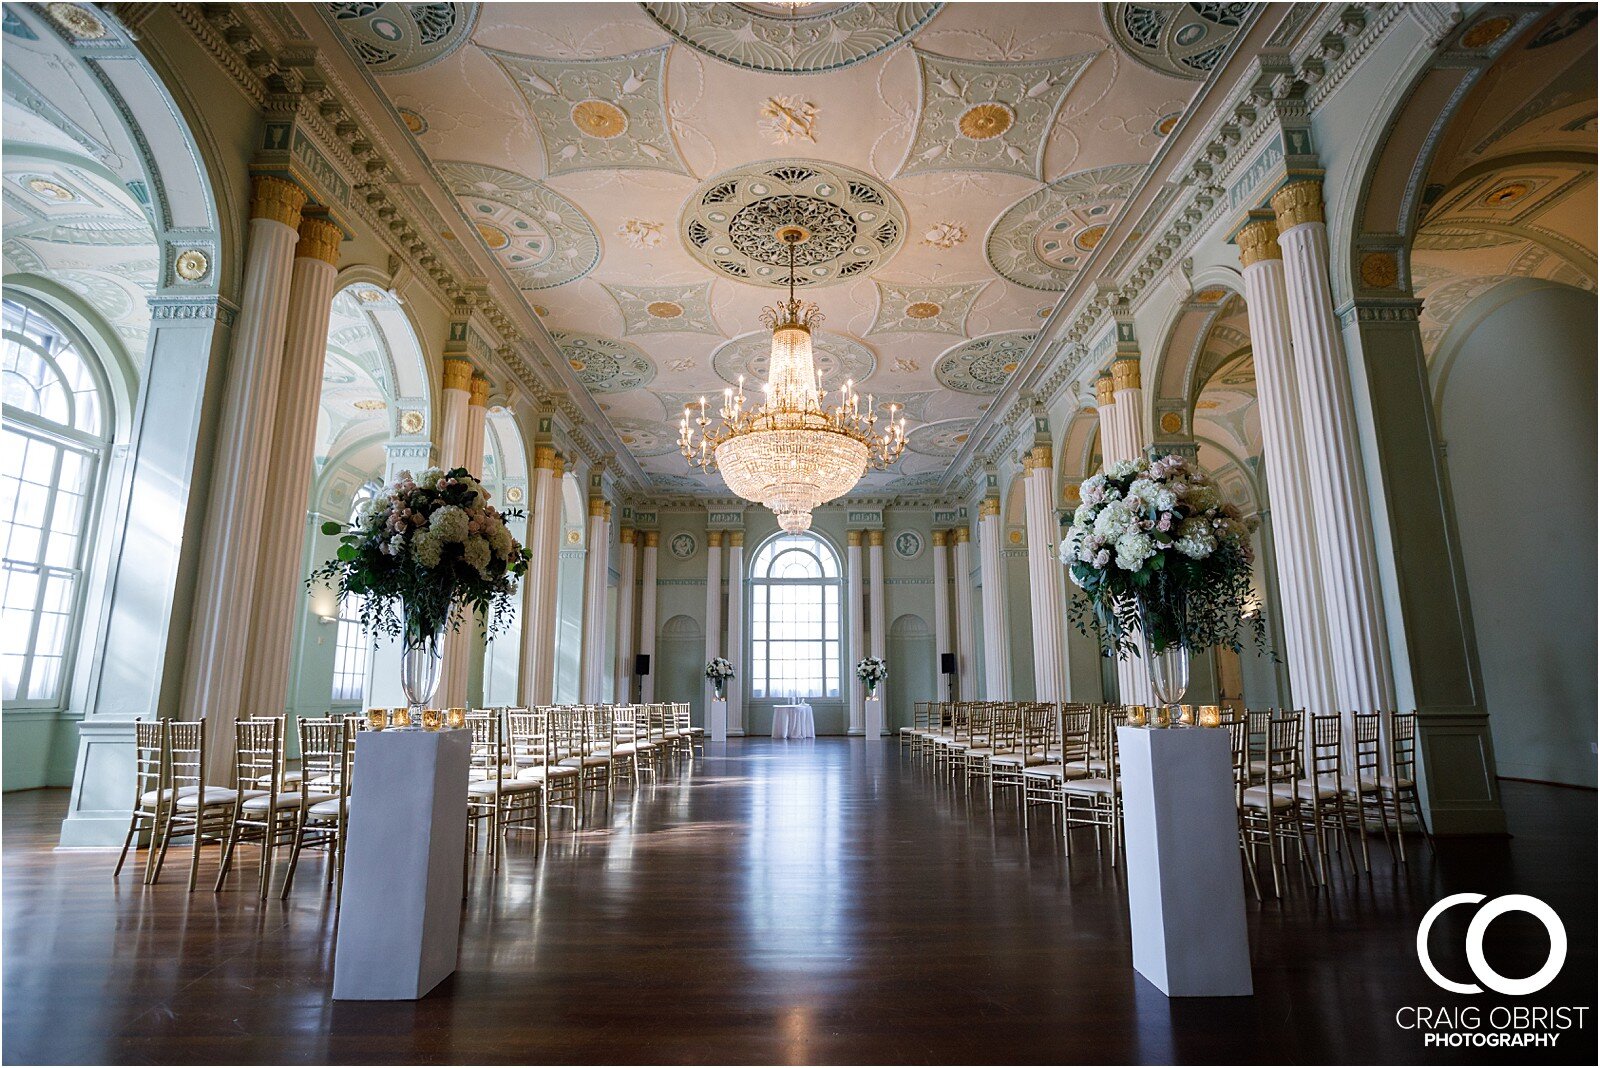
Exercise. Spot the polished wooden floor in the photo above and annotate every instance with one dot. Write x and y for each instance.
(780, 902)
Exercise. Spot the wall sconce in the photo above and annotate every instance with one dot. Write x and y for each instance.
(327, 619)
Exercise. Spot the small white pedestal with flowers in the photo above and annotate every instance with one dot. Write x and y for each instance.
(874, 719)
(717, 720)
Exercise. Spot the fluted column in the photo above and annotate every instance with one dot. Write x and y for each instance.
(453, 402)
(1050, 640)
(622, 687)
(878, 612)
(1133, 674)
(735, 647)
(223, 602)
(996, 625)
(855, 608)
(713, 606)
(596, 562)
(1106, 412)
(1346, 554)
(537, 663)
(281, 569)
(1283, 448)
(477, 420)
(455, 451)
(966, 624)
(647, 613)
(941, 609)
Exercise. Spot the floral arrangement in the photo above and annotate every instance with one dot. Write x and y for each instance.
(1156, 551)
(872, 670)
(719, 671)
(423, 553)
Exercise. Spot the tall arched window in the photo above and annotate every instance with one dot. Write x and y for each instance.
(794, 618)
(55, 435)
(351, 642)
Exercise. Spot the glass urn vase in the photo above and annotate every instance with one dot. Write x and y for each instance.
(420, 659)
(1169, 673)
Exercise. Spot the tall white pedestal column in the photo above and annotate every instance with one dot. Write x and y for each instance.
(734, 650)
(996, 624)
(622, 688)
(1185, 889)
(1131, 441)
(226, 579)
(596, 564)
(877, 618)
(647, 613)
(1049, 593)
(941, 612)
(855, 611)
(1283, 447)
(1346, 555)
(282, 568)
(400, 907)
(966, 618)
(713, 607)
(466, 422)
(537, 675)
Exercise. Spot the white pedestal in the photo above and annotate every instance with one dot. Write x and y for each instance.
(717, 727)
(400, 909)
(873, 717)
(1185, 884)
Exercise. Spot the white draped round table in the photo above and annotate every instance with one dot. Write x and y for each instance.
(793, 721)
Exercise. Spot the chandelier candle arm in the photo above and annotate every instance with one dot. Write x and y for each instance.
(794, 452)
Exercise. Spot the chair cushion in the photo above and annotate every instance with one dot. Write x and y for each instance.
(1257, 797)
(586, 762)
(289, 799)
(1008, 759)
(331, 807)
(215, 795)
(488, 787)
(540, 774)
(1094, 786)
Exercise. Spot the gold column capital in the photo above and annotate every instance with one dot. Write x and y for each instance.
(319, 240)
(1042, 458)
(277, 199)
(628, 536)
(939, 538)
(1258, 241)
(736, 539)
(597, 507)
(988, 506)
(607, 512)
(1103, 395)
(875, 538)
(544, 457)
(652, 538)
(852, 537)
(1297, 203)
(1125, 373)
(560, 469)
(963, 535)
(479, 391)
(457, 374)
(714, 538)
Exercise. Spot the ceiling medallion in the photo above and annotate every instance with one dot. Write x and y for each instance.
(922, 309)
(191, 265)
(983, 121)
(392, 37)
(664, 309)
(945, 235)
(369, 404)
(838, 358)
(851, 223)
(1506, 195)
(1045, 238)
(983, 365)
(1185, 40)
(599, 118)
(792, 39)
(47, 190)
(1486, 32)
(788, 118)
(605, 364)
(795, 451)
(77, 20)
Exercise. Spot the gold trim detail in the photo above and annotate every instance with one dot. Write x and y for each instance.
(597, 507)
(1103, 390)
(627, 536)
(652, 539)
(544, 457)
(852, 537)
(714, 539)
(457, 374)
(736, 539)
(1125, 374)
(191, 265)
(939, 538)
(875, 539)
(1258, 241)
(1298, 203)
(561, 466)
(319, 240)
(479, 391)
(989, 506)
(277, 199)
(963, 535)
(1042, 459)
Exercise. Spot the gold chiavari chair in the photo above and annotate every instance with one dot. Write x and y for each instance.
(908, 736)
(1035, 724)
(1323, 787)
(1239, 743)
(624, 750)
(666, 744)
(1366, 731)
(263, 811)
(591, 746)
(197, 810)
(1398, 789)
(1066, 756)
(151, 796)
(1271, 810)
(1095, 799)
(646, 748)
(496, 793)
(532, 744)
(693, 737)
(325, 762)
(999, 736)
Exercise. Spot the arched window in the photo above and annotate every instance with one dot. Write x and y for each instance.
(55, 436)
(794, 618)
(351, 643)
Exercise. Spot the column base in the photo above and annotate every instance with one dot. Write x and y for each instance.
(102, 786)
(1460, 790)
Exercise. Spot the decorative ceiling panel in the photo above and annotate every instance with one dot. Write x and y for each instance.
(632, 163)
(390, 38)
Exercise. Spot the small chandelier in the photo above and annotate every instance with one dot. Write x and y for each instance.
(794, 452)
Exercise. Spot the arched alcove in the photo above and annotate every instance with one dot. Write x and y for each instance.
(913, 667)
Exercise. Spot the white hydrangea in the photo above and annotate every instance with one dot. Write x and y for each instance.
(1202, 497)
(1195, 539)
(429, 479)
(1153, 495)
(1125, 468)
(448, 523)
(475, 551)
(425, 548)
(1083, 516)
(1133, 549)
(1114, 520)
(501, 541)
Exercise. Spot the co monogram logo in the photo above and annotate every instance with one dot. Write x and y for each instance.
(1485, 974)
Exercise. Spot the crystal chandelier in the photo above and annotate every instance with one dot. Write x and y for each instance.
(794, 452)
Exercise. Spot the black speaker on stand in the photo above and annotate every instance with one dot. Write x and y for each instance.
(947, 668)
(641, 667)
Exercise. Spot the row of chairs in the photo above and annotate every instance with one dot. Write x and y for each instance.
(1302, 782)
(524, 762)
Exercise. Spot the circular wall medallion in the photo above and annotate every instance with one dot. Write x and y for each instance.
(682, 545)
(1171, 422)
(411, 422)
(514, 494)
(851, 222)
(984, 121)
(599, 118)
(605, 364)
(1015, 537)
(837, 358)
(191, 264)
(982, 365)
(908, 545)
(788, 38)
(1379, 270)
(574, 537)
(664, 309)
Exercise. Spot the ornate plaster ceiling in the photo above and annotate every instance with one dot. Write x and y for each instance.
(626, 165)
